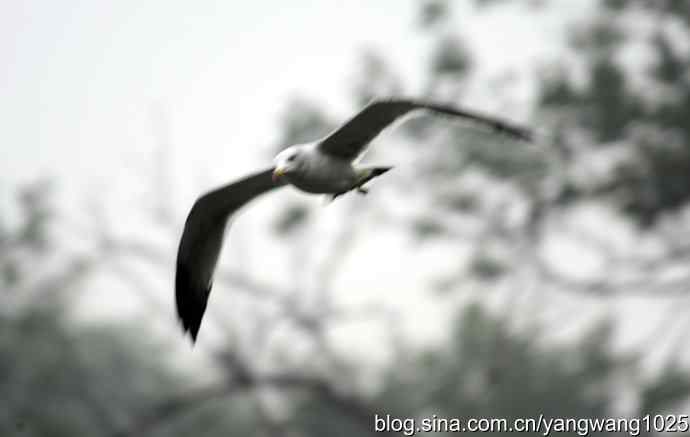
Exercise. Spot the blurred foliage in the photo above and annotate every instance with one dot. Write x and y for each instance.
(433, 12)
(600, 37)
(678, 9)
(607, 105)
(292, 217)
(375, 78)
(486, 3)
(301, 122)
(487, 267)
(657, 181)
(672, 388)
(451, 58)
(667, 165)
(490, 370)
(426, 227)
(59, 378)
(37, 211)
(31, 235)
(61, 381)
(609, 110)
(671, 68)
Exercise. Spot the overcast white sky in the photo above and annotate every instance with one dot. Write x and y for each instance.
(80, 78)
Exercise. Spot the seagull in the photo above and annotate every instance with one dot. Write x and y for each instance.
(328, 166)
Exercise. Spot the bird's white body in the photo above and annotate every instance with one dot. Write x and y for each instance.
(310, 170)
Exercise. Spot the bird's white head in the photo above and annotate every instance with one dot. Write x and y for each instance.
(288, 161)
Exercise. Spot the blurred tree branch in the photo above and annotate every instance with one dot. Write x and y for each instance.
(351, 406)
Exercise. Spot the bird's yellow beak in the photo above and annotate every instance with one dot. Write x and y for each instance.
(278, 173)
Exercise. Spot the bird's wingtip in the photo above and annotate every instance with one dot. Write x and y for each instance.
(191, 302)
(188, 329)
(190, 326)
(192, 335)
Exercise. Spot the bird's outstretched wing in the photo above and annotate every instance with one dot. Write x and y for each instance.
(350, 139)
(202, 240)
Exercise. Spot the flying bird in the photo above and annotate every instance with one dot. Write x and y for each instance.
(325, 166)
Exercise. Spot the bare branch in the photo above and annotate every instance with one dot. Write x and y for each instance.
(357, 409)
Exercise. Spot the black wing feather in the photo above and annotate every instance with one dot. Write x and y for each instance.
(350, 139)
(202, 240)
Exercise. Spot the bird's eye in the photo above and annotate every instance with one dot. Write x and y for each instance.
(291, 158)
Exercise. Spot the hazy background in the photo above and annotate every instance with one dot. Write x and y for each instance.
(481, 278)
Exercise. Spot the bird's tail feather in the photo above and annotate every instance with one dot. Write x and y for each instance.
(365, 174)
